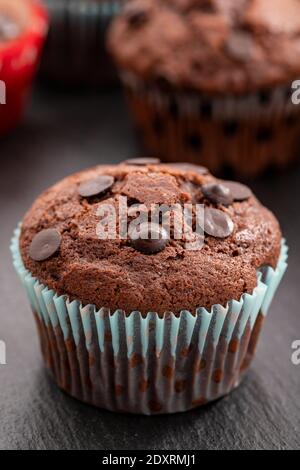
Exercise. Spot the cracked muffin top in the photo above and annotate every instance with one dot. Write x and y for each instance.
(60, 244)
(214, 46)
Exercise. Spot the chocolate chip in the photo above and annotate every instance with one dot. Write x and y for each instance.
(136, 14)
(217, 193)
(239, 191)
(200, 170)
(96, 186)
(208, 6)
(44, 244)
(136, 209)
(217, 223)
(148, 238)
(142, 161)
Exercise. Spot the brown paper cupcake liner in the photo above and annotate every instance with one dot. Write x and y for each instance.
(247, 134)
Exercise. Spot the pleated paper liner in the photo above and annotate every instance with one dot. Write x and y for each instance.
(148, 364)
(247, 134)
(75, 52)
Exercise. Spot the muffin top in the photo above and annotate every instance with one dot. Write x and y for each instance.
(215, 46)
(61, 246)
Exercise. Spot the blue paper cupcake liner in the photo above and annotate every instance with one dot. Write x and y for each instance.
(148, 364)
(75, 52)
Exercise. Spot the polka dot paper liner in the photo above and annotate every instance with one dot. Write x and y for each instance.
(19, 59)
(148, 364)
(248, 134)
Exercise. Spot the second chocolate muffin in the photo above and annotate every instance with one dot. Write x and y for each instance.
(209, 81)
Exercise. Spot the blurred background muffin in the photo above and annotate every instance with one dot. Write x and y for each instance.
(23, 27)
(209, 81)
(75, 50)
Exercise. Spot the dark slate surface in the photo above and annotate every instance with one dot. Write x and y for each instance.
(63, 134)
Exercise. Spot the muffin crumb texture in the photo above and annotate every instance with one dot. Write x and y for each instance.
(241, 237)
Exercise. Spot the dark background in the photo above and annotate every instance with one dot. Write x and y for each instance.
(62, 134)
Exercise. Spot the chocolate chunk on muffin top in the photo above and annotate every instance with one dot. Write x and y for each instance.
(61, 247)
(209, 45)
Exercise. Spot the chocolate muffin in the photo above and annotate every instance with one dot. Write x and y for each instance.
(75, 52)
(209, 81)
(127, 320)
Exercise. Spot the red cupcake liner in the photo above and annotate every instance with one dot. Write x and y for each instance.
(19, 61)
